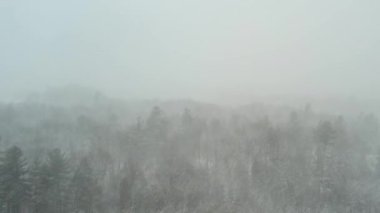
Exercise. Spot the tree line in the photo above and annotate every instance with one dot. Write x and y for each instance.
(48, 185)
(296, 160)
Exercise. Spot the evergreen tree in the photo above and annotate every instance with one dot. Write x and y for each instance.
(187, 118)
(157, 124)
(58, 175)
(39, 174)
(49, 184)
(325, 134)
(85, 188)
(14, 189)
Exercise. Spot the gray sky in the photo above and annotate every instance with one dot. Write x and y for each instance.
(200, 49)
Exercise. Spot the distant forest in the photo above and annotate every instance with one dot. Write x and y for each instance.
(186, 157)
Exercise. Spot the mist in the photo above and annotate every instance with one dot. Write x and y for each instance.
(207, 106)
(206, 50)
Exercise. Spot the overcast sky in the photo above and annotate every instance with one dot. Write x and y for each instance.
(199, 49)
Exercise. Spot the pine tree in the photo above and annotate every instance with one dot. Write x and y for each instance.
(325, 134)
(14, 188)
(85, 188)
(39, 179)
(58, 176)
(156, 124)
(49, 184)
(187, 118)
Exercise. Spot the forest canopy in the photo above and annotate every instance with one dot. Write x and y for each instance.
(185, 156)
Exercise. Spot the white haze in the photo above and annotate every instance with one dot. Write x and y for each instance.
(211, 50)
(184, 106)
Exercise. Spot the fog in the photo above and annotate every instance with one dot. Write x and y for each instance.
(183, 106)
(203, 50)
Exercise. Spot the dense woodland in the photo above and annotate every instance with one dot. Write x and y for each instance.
(186, 157)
